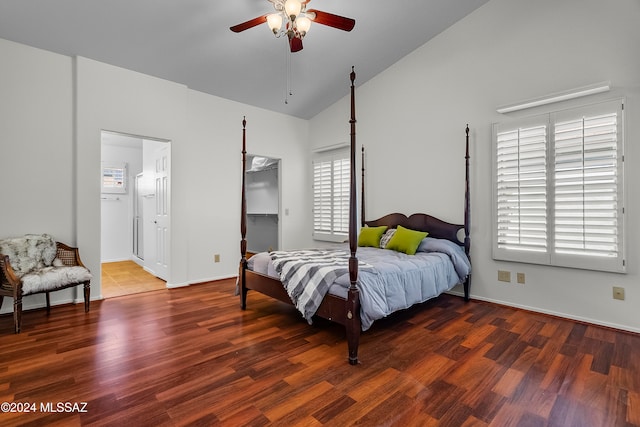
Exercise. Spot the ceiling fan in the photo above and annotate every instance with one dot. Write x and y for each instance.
(293, 19)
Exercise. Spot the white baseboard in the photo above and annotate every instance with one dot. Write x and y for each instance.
(200, 281)
(177, 285)
(554, 313)
(115, 260)
(26, 306)
(148, 270)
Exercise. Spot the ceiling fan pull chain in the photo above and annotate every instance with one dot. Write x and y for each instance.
(287, 61)
(290, 73)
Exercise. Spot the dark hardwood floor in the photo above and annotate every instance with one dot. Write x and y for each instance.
(190, 356)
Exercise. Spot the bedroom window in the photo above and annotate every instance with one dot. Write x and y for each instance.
(331, 179)
(558, 189)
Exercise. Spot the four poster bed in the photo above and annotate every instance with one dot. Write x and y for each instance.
(356, 292)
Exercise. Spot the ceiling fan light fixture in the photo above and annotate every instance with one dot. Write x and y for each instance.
(274, 21)
(293, 19)
(292, 8)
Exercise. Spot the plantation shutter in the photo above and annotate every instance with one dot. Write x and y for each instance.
(587, 183)
(331, 178)
(322, 187)
(341, 181)
(521, 188)
(558, 189)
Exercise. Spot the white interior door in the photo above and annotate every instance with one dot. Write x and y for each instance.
(161, 217)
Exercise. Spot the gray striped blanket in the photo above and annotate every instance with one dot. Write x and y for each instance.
(308, 274)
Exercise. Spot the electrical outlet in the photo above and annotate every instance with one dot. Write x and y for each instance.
(504, 276)
(216, 258)
(618, 292)
(520, 278)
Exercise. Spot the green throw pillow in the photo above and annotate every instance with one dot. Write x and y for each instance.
(370, 236)
(406, 240)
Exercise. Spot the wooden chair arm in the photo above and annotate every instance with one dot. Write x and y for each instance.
(8, 278)
(69, 255)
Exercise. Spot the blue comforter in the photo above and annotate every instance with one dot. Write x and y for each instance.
(396, 281)
(400, 281)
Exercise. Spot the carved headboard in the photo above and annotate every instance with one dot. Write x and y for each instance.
(423, 222)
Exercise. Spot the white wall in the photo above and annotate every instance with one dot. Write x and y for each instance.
(205, 135)
(54, 109)
(36, 142)
(213, 169)
(119, 100)
(411, 119)
(116, 209)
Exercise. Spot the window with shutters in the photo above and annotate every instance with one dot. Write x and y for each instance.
(558, 189)
(331, 177)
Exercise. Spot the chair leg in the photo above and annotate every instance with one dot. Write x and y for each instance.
(48, 303)
(17, 314)
(87, 295)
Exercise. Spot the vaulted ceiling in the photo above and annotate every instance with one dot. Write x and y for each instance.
(189, 42)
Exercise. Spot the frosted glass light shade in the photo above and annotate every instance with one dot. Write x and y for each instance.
(274, 21)
(303, 23)
(292, 7)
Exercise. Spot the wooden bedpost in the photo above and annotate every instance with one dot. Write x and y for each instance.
(353, 325)
(467, 214)
(243, 222)
(362, 215)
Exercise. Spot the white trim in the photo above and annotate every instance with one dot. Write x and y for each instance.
(558, 314)
(331, 147)
(150, 271)
(200, 281)
(115, 260)
(177, 285)
(556, 97)
(507, 246)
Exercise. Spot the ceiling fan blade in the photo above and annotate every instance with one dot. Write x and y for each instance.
(249, 24)
(295, 44)
(335, 21)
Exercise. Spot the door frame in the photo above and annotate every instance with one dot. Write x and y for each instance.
(169, 149)
(280, 212)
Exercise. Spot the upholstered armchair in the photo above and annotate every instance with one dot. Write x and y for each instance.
(35, 264)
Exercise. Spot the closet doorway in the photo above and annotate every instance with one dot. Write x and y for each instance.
(135, 209)
(263, 203)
